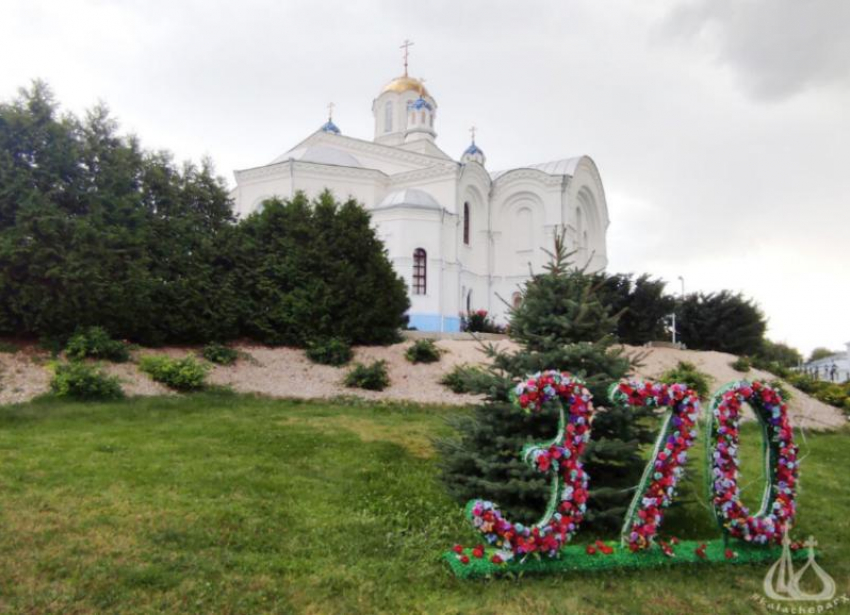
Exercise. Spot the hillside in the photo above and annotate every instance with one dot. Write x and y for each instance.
(285, 372)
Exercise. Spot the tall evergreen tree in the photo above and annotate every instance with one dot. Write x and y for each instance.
(641, 303)
(723, 321)
(559, 324)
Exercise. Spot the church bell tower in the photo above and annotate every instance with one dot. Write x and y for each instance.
(404, 111)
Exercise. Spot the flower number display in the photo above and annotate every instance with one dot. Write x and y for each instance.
(560, 458)
(543, 546)
(657, 487)
(781, 467)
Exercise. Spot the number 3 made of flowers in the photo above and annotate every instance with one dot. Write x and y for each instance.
(560, 458)
(778, 506)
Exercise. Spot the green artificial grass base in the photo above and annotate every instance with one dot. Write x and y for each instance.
(576, 558)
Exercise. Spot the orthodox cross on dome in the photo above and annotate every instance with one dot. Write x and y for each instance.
(331, 111)
(472, 133)
(406, 46)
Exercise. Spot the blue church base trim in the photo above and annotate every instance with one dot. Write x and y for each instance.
(435, 322)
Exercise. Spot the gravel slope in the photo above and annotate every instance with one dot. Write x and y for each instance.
(285, 372)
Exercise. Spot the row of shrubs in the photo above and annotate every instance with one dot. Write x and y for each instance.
(80, 380)
(85, 381)
(832, 393)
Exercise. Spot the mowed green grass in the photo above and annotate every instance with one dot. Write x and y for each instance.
(219, 503)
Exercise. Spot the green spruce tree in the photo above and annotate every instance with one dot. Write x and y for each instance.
(559, 324)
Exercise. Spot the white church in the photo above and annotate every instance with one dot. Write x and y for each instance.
(463, 237)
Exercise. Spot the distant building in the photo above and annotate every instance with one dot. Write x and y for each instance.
(463, 237)
(834, 368)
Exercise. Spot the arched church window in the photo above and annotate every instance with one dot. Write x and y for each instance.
(420, 271)
(466, 223)
(516, 299)
(469, 301)
(524, 232)
(423, 117)
(388, 117)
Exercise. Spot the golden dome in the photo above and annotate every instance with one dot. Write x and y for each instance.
(405, 83)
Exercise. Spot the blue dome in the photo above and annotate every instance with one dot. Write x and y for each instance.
(473, 149)
(329, 126)
(421, 103)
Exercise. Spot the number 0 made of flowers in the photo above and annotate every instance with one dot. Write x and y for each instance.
(559, 458)
(778, 506)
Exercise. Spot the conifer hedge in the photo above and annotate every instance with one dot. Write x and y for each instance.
(96, 231)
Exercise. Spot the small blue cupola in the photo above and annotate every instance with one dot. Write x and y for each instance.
(420, 119)
(473, 153)
(329, 126)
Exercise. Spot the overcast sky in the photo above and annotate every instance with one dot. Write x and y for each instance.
(721, 127)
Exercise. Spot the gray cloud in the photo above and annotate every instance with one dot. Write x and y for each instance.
(777, 48)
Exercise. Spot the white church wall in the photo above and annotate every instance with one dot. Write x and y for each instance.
(436, 309)
(441, 187)
(520, 220)
(586, 213)
(366, 190)
(248, 196)
(475, 255)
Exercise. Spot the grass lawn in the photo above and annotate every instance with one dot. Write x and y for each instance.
(220, 503)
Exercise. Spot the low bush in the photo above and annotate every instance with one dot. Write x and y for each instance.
(833, 394)
(774, 367)
(804, 382)
(8, 347)
(95, 343)
(372, 377)
(423, 351)
(186, 374)
(82, 381)
(687, 373)
(220, 354)
(463, 379)
(330, 351)
(479, 321)
(741, 364)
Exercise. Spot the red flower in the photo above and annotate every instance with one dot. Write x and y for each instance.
(730, 554)
(464, 559)
(496, 559)
(478, 552)
(591, 550)
(457, 549)
(700, 551)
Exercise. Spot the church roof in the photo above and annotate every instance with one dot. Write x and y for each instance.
(409, 197)
(565, 166)
(404, 84)
(322, 154)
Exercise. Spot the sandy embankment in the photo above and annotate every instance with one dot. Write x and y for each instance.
(286, 372)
